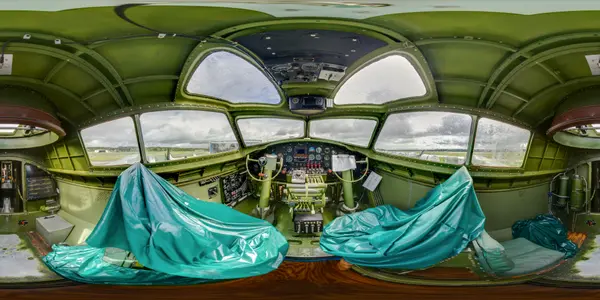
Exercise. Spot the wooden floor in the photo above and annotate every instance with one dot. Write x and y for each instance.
(306, 281)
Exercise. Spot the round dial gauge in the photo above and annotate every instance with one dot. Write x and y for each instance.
(319, 149)
(327, 150)
(311, 157)
(289, 149)
(326, 157)
(318, 156)
(288, 159)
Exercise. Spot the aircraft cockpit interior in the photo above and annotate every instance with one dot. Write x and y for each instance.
(230, 146)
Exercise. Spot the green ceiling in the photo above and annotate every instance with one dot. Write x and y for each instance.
(515, 65)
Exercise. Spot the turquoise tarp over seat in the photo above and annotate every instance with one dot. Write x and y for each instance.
(173, 234)
(440, 226)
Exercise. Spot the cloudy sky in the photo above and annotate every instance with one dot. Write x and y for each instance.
(351, 131)
(425, 131)
(185, 128)
(226, 76)
(269, 129)
(116, 133)
(390, 78)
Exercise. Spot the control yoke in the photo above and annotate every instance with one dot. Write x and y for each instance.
(346, 163)
(268, 162)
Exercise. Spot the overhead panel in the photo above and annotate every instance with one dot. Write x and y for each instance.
(309, 55)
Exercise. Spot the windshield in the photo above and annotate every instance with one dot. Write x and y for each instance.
(112, 143)
(433, 136)
(499, 144)
(257, 131)
(226, 76)
(388, 79)
(181, 134)
(350, 131)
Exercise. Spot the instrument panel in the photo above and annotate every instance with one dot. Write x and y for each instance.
(315, 157)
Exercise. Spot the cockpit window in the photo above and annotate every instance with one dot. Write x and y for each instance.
(112, 143)
(257, 131)
(226, 76)
(390, 78)
(16, 130)
(350, 131)
(589, 131)
(8, 129)
(499, 144)
(434, 136)
(180, 134)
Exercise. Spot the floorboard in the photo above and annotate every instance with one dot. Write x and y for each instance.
(293, 280)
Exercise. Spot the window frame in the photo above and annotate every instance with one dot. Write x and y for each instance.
(420, 66)
(201, 52)
(370, 143)
(87, 157)
(474, 139)
(243, 142)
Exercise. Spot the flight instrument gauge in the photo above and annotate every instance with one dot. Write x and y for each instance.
(319, 149)
(318, 156)
(289, 158)
(311, 157)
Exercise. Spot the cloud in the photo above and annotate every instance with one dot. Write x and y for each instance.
(227, 76)
(352, 131)
(116, 133)
(270, 129)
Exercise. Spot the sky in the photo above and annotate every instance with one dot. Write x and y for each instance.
(270, 129)
(226, 76)
(116, 133)
(351, 131)
(387, 79)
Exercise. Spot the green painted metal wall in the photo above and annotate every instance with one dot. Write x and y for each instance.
(501, 208)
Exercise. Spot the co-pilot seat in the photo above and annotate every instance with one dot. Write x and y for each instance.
(514, 257)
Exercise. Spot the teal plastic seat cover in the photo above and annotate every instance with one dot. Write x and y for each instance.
(173, 234)
(547, 231)
(440, 226)
(85, 264)
(492, 255)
